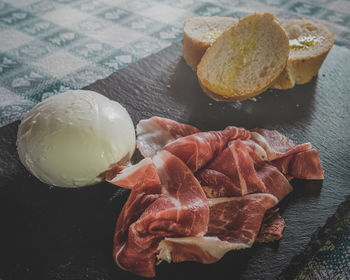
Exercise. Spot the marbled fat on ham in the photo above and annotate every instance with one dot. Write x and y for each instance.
(198, 195)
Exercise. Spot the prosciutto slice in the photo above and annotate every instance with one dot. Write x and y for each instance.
(271, 228)
(238, 219)
(239, 171)
(270, 144)
(141, 173)
(154, 133)
(198, 149)
(234, 224)
(173, 205)
(302, 165)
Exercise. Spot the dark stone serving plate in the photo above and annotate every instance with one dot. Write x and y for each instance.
(56, 233)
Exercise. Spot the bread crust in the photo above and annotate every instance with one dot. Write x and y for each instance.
(301, 69)
(194, 48)
(193, 51)
(218, 97)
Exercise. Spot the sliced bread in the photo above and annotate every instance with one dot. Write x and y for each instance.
(245, 59)
(309, 45)
(200, 33)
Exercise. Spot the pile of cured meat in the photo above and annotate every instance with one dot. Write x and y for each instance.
(198, 195)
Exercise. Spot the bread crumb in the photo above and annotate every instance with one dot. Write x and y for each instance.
(297, 105)
(168, 86)
(210, 104)
(236, 105)
(253, 99)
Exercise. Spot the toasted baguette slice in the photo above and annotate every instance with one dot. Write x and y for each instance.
(309, 45)
(245, 59)
(200, 33)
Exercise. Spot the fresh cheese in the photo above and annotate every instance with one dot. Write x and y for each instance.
(71, 139)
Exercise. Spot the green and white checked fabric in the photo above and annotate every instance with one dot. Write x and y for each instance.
(49, 46)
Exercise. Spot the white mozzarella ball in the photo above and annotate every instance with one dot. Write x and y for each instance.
(72, 138)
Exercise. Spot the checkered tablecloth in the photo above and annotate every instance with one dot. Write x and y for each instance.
(49, 46)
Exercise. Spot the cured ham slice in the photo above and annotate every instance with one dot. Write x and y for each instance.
(175, 205)
(234, 224)
(198, 149)
(142, 172)
(239, 171)
(238, 219)
(302, 165)
(275, 182)
(270, 144)
(154, 133)
(234, 166)
(113, 172)
(272, 227)
(128, 244)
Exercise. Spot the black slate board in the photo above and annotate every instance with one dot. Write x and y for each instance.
(54, 233)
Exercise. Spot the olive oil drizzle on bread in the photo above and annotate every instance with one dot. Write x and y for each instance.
(245, 59)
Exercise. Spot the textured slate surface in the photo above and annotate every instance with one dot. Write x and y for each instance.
(327, 255)
(53, 233)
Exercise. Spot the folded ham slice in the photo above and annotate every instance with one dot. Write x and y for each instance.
(198, 149)
(271, 145)
(234, 224)
(239, 171)
(170, 203)
(141, 173)
(154, 133)
(302, 165)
